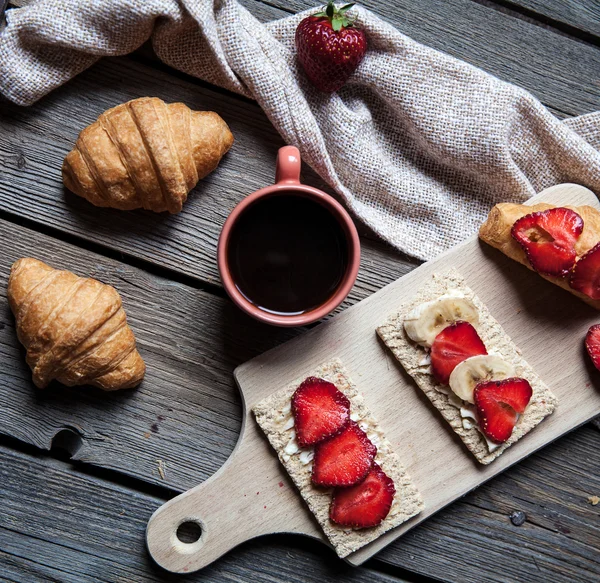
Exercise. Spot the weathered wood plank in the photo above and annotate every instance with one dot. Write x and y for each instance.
(34, 141)
(192, 340)
(474, 540)
(584, 16)
(555, 68)
(61, 525)
(41, 532)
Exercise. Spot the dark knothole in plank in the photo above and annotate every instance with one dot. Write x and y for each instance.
(66, 443)
(189, 532)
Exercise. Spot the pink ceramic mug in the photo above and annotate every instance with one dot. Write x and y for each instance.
(287, 180)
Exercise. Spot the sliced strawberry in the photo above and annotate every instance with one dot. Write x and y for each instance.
(499, 404)
(344, 459)
(365, 504)
(592, 344)
(548, 238)
(320, 411)
(451, 346)
(586, 275)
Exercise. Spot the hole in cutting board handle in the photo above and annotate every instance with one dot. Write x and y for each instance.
(189, 532)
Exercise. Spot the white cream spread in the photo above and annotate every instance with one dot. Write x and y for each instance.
(289, 424)
(292, 447)
(467, 424)
(425, 364)
(426, 360)
(306, 455)
(468, 412)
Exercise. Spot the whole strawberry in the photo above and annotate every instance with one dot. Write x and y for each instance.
(330, 47)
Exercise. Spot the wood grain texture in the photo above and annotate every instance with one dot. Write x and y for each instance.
(58, 524)
(474, 541)
(431, 548)
(554, 67)
(191, 341)
(582, 15)
(34, 141)
(407, 420)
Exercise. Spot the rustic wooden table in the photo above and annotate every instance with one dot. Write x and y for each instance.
(81, 472)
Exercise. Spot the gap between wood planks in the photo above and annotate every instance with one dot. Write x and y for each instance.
(131, 260)
(543, 534)
(151, 497)
(520, 9)
(170, 274)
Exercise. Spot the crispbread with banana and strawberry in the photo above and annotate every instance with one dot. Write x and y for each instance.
(467, 365)
(338, 457)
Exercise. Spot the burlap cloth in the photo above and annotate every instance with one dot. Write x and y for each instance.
(418, 144)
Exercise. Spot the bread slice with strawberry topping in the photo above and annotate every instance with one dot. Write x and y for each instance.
(488, 420)
(349, 457)
(550, 240)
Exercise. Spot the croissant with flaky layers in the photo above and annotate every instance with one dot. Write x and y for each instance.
(74, 328)
(145, 154)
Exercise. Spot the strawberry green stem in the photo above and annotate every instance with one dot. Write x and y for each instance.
(338, 17)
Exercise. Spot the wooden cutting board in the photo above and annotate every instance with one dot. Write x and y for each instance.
(251, 494)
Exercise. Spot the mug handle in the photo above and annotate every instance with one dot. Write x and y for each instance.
(288, 166)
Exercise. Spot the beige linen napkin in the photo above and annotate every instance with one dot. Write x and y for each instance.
(419, 144)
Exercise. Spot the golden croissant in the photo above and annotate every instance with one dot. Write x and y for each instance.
(74, 328)
(145, 154)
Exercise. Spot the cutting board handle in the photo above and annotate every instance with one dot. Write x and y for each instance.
(219, 506)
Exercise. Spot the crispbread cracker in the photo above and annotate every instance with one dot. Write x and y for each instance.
(410, 355)
(273, 415)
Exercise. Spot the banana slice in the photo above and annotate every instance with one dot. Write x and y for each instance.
(426, 321)
(476, 369)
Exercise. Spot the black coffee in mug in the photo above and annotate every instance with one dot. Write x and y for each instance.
(287, 253)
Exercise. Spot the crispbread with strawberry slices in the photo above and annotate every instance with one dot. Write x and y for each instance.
(274, 416)
(411, 356)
